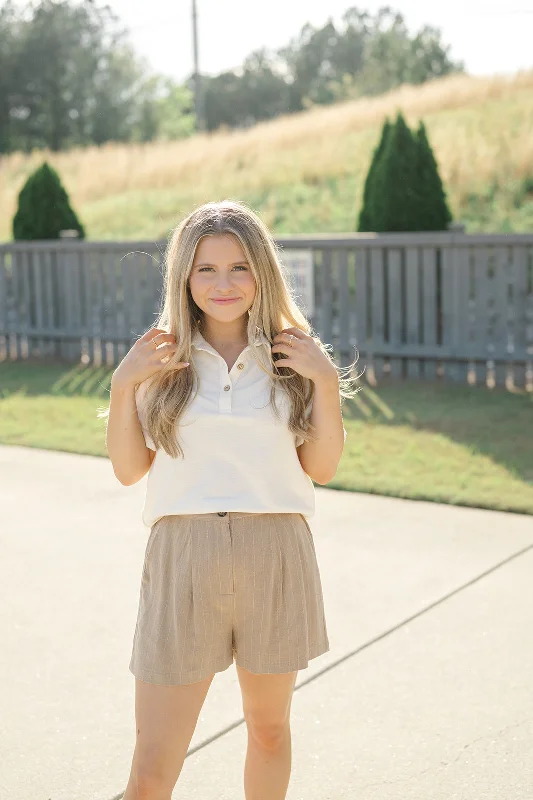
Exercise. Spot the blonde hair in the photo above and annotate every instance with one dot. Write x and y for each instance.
(273, 309)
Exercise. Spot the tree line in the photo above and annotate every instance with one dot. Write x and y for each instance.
(70, 77)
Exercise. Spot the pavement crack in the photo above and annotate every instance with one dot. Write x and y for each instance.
(444, 764)
(489, 735)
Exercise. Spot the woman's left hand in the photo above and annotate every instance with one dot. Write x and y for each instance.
(304, 355)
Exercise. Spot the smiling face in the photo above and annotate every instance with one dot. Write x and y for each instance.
(221, 271)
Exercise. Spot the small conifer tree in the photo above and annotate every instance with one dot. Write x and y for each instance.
(396, 183)
(403, 190)
(433, 214)
(368, 208)
(44, 208)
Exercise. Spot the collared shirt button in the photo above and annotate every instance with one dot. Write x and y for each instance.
(227, 387)
(240, 366)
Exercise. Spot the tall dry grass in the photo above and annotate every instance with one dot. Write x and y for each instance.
(480, 129)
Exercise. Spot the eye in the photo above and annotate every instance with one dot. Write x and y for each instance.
(237, 266)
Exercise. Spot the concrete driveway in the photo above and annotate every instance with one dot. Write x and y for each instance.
(426, 692)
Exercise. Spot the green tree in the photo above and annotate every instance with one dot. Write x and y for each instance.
(44, 208)
(9, 57)
(367, 215)
(433, 213)
(241, 99)
(392, 57)
(68, 76)
(174, 109)
(396, 185)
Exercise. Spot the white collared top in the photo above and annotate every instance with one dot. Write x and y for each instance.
(237, 455)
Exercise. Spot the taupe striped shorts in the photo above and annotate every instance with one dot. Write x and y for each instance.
(227, 585)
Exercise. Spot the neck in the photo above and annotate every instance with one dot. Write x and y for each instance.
(225, 334)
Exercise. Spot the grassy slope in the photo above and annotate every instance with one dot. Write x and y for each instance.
(454, 444)
(305, 172)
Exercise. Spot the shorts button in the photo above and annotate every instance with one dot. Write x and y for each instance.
(227, 388)
(222, 513)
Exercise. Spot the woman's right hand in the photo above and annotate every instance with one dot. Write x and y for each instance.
(148, 355)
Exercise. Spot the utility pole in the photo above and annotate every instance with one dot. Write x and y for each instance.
(198, 94)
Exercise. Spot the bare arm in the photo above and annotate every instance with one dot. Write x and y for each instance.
(320, 459)
(125, 443)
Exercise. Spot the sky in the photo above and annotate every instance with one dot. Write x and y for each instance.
(489, 36)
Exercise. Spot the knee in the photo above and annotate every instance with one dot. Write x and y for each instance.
(150, 782)
(268, 735)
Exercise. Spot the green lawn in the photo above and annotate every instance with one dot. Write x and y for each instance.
(431, 441)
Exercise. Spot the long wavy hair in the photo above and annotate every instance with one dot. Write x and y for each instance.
(169, 390)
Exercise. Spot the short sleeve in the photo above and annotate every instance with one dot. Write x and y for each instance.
(140, 394)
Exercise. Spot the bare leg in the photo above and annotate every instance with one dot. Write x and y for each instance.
(266, 705)
(166, 717)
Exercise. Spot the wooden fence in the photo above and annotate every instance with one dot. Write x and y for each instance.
(437, 306)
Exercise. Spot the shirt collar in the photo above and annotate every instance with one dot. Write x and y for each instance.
(200, 343)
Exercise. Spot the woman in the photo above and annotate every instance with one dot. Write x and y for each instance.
(216, 403)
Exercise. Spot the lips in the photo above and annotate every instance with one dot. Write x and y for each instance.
(224, 300)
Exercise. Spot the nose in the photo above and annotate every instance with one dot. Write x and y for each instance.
(224, 283)
(223, 288)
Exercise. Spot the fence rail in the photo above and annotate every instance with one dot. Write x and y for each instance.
(433, 305)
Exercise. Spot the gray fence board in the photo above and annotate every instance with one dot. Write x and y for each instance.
(519, 332)
(16, 308)
(28, 299)
(448, 293)
(345, 303)
(362, 298)
(459, 276)
(79, 298)
(38, 284)
(49, 308)
(3, 290)
(89, 272)
(412, 309)
(500, 333)
(326, 295)
(100, 293)
(377, 305)
(462, 309)
(481, 319)
(395, 310)
(114, 318)
(429, 307)
(529, 317)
